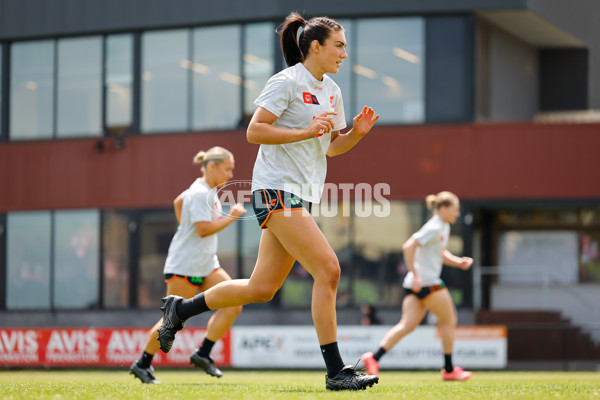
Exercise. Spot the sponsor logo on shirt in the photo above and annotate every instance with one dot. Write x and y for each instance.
(309, 98)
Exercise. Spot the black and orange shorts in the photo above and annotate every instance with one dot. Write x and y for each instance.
(426, 290)
(268, 201)
(192, 280)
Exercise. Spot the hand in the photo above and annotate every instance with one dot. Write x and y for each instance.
(465, 263)
(364, 121)
(417, 284)
(320, 124)
(237, 211)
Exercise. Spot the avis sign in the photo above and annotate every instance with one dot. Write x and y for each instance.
(99, 347)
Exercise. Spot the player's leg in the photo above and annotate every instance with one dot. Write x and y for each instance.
(143, 369)
(299, 234)
(217, 325)
(413, 312)
(272, 267)
(440, 303)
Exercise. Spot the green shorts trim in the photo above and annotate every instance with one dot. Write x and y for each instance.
(426, 291)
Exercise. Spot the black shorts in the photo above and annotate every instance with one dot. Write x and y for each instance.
(268, 201)
(426, 291)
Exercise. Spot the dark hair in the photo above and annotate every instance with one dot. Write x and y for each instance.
(296, 48)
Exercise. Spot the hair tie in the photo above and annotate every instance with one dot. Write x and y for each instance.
(300, 30)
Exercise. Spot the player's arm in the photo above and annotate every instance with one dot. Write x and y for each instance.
(177, 206)
(361, 125)
(207, 228)
(408, 249)
(261, 129)
(454, 261)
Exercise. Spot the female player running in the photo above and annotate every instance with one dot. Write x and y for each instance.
(297, 123)
(424, 254)
(192, 264)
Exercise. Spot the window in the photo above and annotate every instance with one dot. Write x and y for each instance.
(216, 78)
(258, 62)
(119, 83)
(344, 76)
(156, 230)
(389, 68)
(79, 87)
(32, 90)
(115, 271)
(165, 75)
(28, 254)
(76, 259)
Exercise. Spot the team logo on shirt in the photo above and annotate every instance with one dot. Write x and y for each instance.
(309, 98)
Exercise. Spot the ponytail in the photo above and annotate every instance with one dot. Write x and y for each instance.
(295, 42)
(215, 154)
(442, 199)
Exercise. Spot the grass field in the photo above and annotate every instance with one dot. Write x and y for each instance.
(191, 384)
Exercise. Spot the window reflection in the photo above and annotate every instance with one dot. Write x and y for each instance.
(165, 71)
(115, 247)
(31, 90)
(119, 82)
(389, 68)
(216, 77)
(76, 256)
(79, 87)
(258, 62)
(156, 231)
(28, 260)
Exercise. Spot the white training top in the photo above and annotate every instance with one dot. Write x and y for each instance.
(189, 253)
(295, 96)
(433, 239)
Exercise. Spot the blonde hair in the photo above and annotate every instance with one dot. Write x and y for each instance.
(442, 199)
(215, 154)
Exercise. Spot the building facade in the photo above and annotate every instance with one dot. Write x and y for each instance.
(104, 103)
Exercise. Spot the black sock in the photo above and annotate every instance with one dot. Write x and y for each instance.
(333, 359)
(145, 361)
(448, 362)
(379, 353)
(206, 347)
(189, 307)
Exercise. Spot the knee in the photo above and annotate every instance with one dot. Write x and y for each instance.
(330, 273)
(263, 293)
(234, 311)
(449, 321)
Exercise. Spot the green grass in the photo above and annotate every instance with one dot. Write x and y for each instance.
(190, 384)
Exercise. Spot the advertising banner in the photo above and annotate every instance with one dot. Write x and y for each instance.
(99, 347)
(297, 347)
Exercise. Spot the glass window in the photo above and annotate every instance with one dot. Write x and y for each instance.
(589, 255)
(377, 245)
(389, 68)
(119, 82)
(251, 234)
(32, 90)
(156, 231)
(258, 62)
(216, 78)
(115, 246)
(228, 246)
(79, 88)
(165, 70)
(28, 260)
(344, 76)
(76, 259)
(1, 80)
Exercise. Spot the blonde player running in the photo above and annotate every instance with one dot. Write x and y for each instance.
(424, 254)
(192, 264)
(297, 122)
